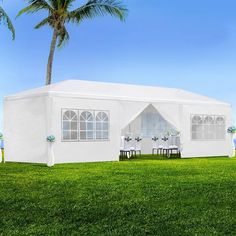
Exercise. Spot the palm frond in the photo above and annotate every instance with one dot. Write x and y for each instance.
(44, 22)
(61, 4)
(94, 8)
(63, 37)
(54, 4)
(5, 19)
(67, 4)
(35, 5)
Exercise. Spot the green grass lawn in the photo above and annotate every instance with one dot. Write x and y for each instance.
(137, 197)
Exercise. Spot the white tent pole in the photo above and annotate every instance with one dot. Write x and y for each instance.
(2, 159)
(232, 148)
(231, 143)
(50, 155)
(1, 156)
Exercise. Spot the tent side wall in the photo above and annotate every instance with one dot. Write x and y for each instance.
(85, 151)
(179, 115)
(205, 148)
(25, 129)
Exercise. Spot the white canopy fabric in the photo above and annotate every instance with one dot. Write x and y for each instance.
(123, 102)
(149, 123)
(115, 91)
(171, 113)
(131, 111)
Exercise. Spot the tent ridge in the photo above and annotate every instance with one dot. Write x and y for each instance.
(116, 91)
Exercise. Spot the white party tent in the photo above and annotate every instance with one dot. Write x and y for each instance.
(88, 118)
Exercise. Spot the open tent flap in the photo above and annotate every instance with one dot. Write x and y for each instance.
(149, 123)
(171, 113)
(129, 111)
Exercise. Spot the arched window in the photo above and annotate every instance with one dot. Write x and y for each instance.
(208, 127)
(197, 128)
(196, 120)
(86, 125)
(69, 125)
(102, 126)
(220, 120)
(220, 127)
(208, 120)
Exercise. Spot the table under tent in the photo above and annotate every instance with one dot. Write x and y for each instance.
(88, 119)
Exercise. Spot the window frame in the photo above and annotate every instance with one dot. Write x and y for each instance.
(86, 121)
(78, 113)
(203, 116)
(63, 111)
(108, 125)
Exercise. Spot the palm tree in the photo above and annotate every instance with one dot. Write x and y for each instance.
(59, 14)
(4, 18)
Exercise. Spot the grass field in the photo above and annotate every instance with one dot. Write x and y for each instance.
(138, 197)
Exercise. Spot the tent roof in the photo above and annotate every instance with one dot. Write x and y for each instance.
(115, 91)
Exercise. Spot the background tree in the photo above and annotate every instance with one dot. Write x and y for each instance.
(59, 14)
(4, 19)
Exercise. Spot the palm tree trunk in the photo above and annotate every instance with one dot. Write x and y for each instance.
(50, 58)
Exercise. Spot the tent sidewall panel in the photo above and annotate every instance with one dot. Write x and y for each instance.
(86, 151)
(205, 148)
(28, 121)
(25, 130)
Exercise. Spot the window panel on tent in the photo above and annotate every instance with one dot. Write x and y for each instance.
(102, 126)
(69, 125)
(84, 125)
(208, 127)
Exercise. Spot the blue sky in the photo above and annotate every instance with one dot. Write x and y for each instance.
(184, 44)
